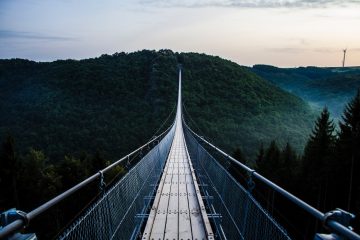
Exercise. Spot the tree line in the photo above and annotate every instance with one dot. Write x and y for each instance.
(327, 175)
(29, 180)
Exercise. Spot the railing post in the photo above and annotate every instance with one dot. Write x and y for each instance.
(127, 165)
(102, 184)
(250, 181)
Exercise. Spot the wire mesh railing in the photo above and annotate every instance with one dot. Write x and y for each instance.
(151, 161)
(336, 222)
(241, 216)
(113, 216)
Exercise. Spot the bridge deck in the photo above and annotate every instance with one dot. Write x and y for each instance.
(178, 211)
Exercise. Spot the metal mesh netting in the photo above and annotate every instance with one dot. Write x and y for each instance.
(113, 216)
(242, 217)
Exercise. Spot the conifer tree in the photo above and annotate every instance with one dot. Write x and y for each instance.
(270, 163)
(318, 155)
(260, 155)
(289, 164)
(348, 154)
(238, 155)
(239, 173)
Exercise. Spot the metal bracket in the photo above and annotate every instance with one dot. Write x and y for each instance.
(214, 215)
(102, 184)
(341, 216)
(12, 215)
(127, 165)
(207, 197)
(142, 215)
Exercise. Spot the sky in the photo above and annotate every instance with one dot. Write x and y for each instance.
(285, 33)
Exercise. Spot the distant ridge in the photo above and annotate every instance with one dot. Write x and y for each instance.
(321, 86)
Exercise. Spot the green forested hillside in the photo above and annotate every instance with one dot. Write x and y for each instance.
(235, 108)
(331, 87)
(113, 103)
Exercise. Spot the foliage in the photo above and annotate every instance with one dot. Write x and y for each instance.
(348, 155)
(234, 107)
(115, 102)
(317, 159)
(328, 176)
(111, 103)
(333, 87)
(278, 165)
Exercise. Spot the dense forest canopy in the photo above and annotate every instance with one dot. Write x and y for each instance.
(115, 102)
(321, 86)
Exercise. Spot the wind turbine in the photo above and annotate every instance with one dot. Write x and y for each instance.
(343, 62)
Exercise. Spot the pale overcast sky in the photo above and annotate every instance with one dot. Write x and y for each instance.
(277, 32)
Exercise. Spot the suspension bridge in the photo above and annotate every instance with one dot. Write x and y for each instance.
(178, 190)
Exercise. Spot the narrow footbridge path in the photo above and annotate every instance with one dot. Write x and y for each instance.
(178, 211)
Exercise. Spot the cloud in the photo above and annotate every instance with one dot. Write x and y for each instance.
(9, 34)
(249, 3)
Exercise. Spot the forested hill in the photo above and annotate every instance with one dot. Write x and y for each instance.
(114, 103)
(332, 87)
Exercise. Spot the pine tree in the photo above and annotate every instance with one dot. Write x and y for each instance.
(348, 154)
(39, 180)
(318, 155)
(98, 162)
(240, 174)
(270, 163)
(289, 164)
(238, 155)
(260, 155)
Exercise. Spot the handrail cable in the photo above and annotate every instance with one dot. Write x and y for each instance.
(167, 118)
(21, 223)
(332, 224)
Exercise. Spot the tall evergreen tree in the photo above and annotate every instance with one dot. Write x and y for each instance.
(318, 155)
(348, 157)
(240, 174)
(289, 164)
(269, 165)
(260, 155)
(39, 180)
(98, 162)
(238, 155)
